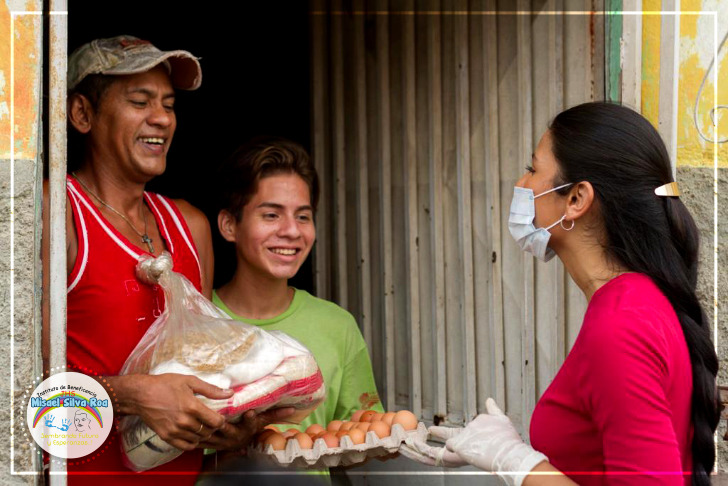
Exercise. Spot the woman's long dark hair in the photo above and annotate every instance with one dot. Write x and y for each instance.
(623, 157)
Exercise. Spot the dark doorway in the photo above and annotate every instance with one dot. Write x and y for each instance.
(255, 63)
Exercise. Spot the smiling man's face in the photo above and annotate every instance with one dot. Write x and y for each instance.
(133, 126)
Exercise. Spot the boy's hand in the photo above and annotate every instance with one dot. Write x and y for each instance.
(238, 436)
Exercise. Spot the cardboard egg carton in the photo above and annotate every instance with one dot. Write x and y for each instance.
(320, 456)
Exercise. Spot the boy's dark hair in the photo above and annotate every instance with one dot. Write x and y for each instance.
(263, 157)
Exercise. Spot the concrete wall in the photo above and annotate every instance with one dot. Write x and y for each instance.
(696, 184)
(20, 98)
(695, 156)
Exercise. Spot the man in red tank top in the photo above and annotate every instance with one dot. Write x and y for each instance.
(121, 101)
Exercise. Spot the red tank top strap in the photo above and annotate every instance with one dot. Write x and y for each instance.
(81, 237)
(171, 222)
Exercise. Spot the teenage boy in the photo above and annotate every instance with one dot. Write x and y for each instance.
(269, 195)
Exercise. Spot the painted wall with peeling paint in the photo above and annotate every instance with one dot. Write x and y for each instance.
(23, 33)
(698, 39)
(21, 57)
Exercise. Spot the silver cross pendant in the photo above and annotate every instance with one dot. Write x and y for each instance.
(146, 239)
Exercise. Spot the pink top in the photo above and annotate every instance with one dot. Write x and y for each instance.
(619, 408)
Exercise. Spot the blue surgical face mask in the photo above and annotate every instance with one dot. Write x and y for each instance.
(520, 223)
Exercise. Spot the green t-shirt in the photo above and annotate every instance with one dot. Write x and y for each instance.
(334, 339)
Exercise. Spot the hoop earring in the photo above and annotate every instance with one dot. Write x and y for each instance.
(561, 223)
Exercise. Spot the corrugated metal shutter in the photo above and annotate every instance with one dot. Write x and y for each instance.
(424, 115)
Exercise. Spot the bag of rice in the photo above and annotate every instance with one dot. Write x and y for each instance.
(193, 337)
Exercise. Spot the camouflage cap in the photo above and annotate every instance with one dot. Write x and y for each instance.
(125, 54)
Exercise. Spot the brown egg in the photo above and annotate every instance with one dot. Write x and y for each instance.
(334, 425)
(277, 441)
(342, 433)
(388, 417)
(381, 429)
(377, 417)
(314, 429)
(260, 438)
(303, 440)
(290, 433)
(348, 425)
(406, 419)
(367, 416)
(357, 436)
(363, 426)
(272, 427)
(356, 416)
(331, 440)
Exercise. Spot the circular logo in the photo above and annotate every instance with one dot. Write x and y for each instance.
(70, 415)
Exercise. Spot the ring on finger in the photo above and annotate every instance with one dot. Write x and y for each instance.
(200, 429)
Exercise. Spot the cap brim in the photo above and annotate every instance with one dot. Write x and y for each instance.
(186, 71)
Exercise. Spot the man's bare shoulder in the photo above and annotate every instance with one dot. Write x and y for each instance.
(200, 228)
(195, 219)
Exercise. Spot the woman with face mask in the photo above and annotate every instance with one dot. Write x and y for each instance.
(636, 400)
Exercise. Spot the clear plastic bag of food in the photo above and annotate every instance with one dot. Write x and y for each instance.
(193, 337)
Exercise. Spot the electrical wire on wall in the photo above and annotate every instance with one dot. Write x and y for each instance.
(713, 110)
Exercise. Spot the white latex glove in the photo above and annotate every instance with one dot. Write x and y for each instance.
(490, 442)
(442, 434)
(418, 450)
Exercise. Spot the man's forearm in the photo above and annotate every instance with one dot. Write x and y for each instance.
(125, 391)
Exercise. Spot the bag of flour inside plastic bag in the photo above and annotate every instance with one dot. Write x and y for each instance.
(193, 337)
